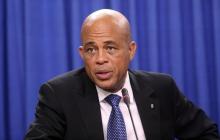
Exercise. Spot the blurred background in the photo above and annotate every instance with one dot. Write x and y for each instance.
(39, 39)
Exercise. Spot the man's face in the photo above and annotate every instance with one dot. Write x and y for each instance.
(106, 53)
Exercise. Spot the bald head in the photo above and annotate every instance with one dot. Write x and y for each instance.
(107, 17)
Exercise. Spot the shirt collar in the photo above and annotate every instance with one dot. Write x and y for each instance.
(102, 94)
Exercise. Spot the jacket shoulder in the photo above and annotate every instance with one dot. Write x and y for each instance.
(69, 79)
(155, 80)
(152, 76)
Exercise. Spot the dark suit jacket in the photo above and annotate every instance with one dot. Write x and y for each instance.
(69, 109)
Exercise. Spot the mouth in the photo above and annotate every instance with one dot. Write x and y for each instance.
(103, 75)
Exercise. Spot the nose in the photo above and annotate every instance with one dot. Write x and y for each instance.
(101, 57)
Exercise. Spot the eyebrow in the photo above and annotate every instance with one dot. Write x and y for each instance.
(93, 43)
(109, 42)
(89, 43)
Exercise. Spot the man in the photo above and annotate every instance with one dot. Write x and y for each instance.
(77, 104)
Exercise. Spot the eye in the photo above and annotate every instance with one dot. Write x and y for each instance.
(111, 49)
(90, 50)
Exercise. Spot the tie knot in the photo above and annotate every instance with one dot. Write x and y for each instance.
(113, 99)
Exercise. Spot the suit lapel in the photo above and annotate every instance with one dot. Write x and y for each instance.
(148, 107)
(90, 110)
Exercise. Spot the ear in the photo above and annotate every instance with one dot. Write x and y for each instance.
(132, 49)
(81, 52)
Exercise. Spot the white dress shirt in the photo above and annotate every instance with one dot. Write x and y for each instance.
(106, 110)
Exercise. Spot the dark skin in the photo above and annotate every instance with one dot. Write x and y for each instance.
(107, 48)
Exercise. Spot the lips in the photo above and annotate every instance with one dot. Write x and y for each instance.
(103, 75)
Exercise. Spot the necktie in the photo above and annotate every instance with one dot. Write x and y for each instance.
(116, 127)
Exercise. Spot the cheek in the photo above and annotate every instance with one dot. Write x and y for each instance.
(89, 62)
(122, 62)
(89, 67)
(120, 67)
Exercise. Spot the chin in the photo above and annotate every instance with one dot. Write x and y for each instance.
(107, 87)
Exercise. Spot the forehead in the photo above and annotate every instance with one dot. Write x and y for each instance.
(101, 26)
(106, 29)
